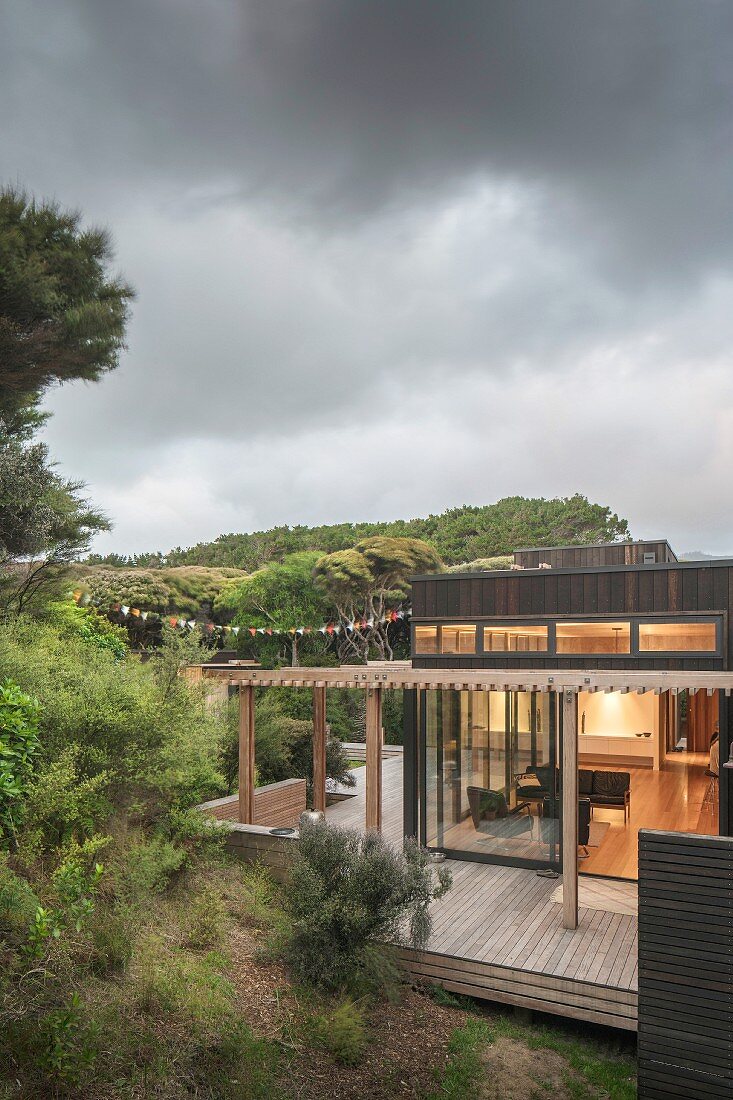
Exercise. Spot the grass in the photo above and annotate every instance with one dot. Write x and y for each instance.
(594, 1069)
(464, 1071)
(356, 764)
(614, 1073)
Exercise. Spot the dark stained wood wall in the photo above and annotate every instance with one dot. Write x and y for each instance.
(685, 966)
(582, 557)
(646, 589)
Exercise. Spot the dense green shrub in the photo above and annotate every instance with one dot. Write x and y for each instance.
(283, 743)
(142, 727)
(351, 891)
(343, 1033)
(88, 624)
(19, 720)
(184, 590)
(18, 903)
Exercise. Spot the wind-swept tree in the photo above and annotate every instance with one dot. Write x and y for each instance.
(45, 523)
(366, 582)
(281, 596)
(62, 317)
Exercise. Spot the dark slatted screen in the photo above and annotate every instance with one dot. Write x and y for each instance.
(685, 966)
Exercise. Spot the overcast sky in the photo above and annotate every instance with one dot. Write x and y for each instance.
(393, 256)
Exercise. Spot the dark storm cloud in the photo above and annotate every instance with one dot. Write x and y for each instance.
(623, 109)
(330, 206)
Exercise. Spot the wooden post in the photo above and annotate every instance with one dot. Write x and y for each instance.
(569, 810)
(374, 758)
(246, 755)
(319, 748)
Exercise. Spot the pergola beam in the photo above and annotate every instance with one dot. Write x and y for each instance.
(574, 680)
(246, 755)
(569, 810)
(319, 747)
(374, 758)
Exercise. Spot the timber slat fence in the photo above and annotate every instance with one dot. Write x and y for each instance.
(685, 966)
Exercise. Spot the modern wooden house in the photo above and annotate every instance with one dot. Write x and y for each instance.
(644, 756)
(559, 721)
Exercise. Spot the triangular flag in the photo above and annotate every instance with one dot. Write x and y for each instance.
(253, 630)
(144, 615)
(235, 630)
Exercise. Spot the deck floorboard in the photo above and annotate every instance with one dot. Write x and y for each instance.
(498, 933)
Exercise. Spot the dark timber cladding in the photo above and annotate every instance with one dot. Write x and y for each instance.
(602, 553)
(537, 594)
(685, 966)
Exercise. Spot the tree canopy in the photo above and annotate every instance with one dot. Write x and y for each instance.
(281, 595)
(62, 316)
(467, 533)
(369, 580)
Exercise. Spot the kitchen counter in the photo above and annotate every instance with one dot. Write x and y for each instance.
(625, 747)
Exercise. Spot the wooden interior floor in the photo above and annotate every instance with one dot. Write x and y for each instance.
(679, 797)
(498, 933)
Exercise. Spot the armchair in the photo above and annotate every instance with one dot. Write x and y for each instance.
(491, 815)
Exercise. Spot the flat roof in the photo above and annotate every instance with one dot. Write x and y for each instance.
(706, 563)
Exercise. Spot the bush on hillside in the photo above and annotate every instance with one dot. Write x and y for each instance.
(18, 748)
(283, 746)
(140, 725)
(504, 561)
(349, 893)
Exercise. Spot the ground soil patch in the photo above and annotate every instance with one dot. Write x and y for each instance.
(515, 1072)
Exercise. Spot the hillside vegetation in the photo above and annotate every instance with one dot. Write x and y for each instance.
(180, 590)
(458, 535)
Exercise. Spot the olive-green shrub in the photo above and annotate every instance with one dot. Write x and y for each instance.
(351, 891)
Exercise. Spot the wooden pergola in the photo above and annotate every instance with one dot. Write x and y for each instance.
(375, 680)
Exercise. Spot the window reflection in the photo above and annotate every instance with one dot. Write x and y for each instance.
(514, 639)
(593, 637)
(677, 637)
(426, 639)
(458, 639)
(490, 774)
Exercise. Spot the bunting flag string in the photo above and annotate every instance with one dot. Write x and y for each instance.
(83, 599)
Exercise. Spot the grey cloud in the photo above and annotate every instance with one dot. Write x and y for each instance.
(336, 109)
(343, 215)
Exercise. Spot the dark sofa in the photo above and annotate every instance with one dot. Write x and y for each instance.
(603, 788)
(543, 787)
(609, 789)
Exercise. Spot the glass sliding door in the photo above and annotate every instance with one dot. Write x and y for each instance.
(489, 782)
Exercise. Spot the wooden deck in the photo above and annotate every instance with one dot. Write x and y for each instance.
(498, 933)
